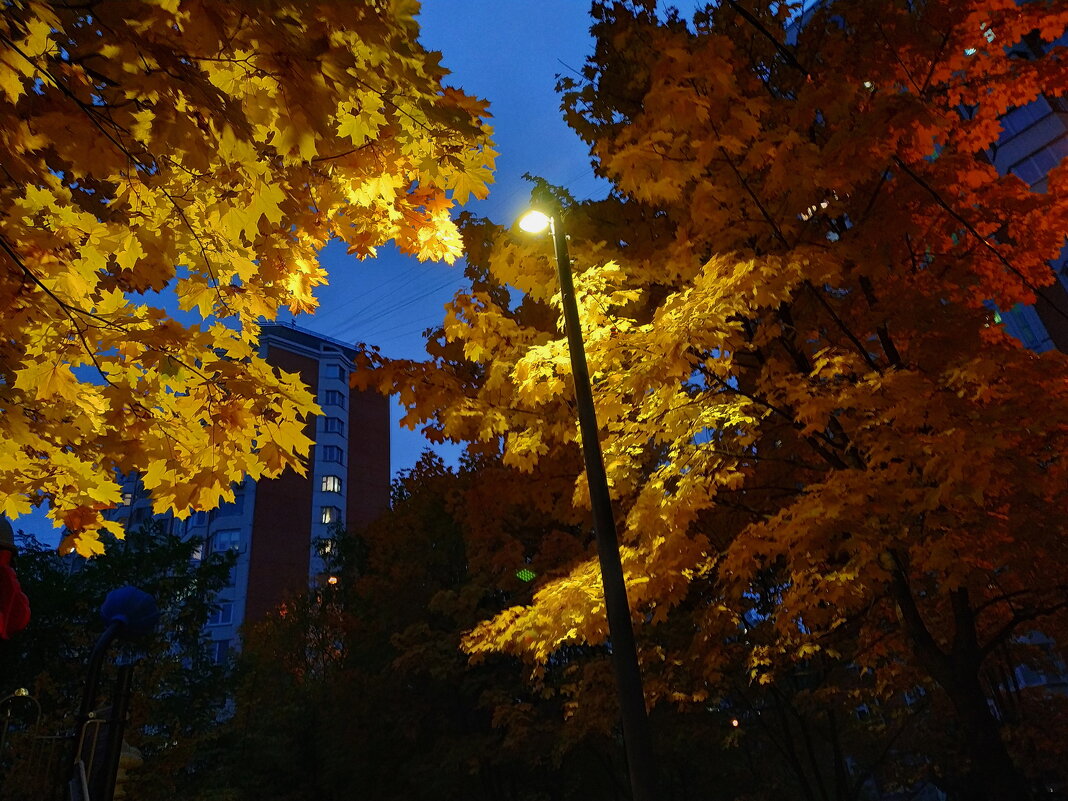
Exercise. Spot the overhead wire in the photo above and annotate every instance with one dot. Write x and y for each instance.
(406, 277)
(399, 275)
(411, 328)
(405, 303)
(371, 308)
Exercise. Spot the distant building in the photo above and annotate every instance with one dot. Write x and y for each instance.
(273, 524)
(1034, 139)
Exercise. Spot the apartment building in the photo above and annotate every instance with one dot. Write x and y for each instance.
(273, 525)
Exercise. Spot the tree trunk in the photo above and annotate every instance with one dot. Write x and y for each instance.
(991, 776)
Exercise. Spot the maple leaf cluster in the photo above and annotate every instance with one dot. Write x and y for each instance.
(788, 306)
(205, 152)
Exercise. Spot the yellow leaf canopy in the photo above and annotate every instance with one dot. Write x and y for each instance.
(207, 150)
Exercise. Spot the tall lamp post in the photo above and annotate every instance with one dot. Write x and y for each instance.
(636, 736)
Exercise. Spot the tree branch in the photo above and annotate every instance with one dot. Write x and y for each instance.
(1006, 630)
(779, 46)
(925, 646)
(979, 237)
(863, 351)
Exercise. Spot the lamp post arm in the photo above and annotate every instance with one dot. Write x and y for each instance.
(636, 735)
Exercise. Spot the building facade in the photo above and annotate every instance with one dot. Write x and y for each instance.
(1034, 140)
(273, 526)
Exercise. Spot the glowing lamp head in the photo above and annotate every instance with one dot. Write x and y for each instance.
(534, 222)
(332, 580)
(734, 723)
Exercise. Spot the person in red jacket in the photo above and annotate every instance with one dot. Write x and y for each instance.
(14, 605)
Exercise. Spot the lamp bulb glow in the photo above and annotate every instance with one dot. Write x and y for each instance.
(533, 222)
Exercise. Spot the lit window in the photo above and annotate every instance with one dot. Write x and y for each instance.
(332, 453)
(331, 484)
(127, 499)
(228, 539)
(330, 515)
(333, 425)
(223, 615)
(334, 398)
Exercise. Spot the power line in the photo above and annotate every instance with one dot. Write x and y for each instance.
(391, 310)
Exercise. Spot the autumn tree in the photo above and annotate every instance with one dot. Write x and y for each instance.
(788, 304)
(362, 684)
(203, 152)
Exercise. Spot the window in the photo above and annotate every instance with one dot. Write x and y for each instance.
(338, 372)
(1034, 168)
(334, 425)
(1028, 172)
(223, 615)
(127, 499)
(331, 515)
(1023, 323)
(227, 539)
(332, 453)
(334, 398)
(1023, 117)
(331, 484)
(218, 651)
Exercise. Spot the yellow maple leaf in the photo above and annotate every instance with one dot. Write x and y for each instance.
(11, 81)
(267, 201)
(46, 378)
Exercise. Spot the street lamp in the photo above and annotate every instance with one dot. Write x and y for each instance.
(636, 736)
